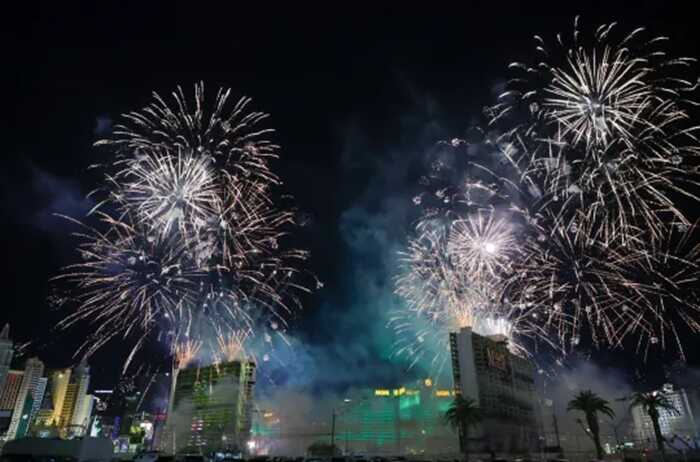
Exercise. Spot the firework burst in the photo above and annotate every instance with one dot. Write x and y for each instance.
(665, 300)
(614, 115)
(231, 134)
(194, 242)
(455, 274)
(606, 154)
(432, 277)
(483, 245)
(173, 193)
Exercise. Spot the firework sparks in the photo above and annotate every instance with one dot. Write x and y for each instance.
(482, 244)
(232, 136)
(185, 352)
(232, 345)
(455, 275)
(171, 192)
(433, 278)
(581, 171)
(193, 243)
(605, 149)
(665, 301)
(614, 116)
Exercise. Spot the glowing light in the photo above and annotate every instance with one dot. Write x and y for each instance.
(189, 243)
(490, 247)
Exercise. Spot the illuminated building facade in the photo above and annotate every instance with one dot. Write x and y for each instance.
(211, 408)
(82, 401)
(674, 425)
(6, 352)
(503, 385)
(33, 372)
(8, 398)
(405, 420)
(10, 391)
(59, 386)
(66, 406)
(38, 397)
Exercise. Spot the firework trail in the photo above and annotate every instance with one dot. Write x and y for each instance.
(190, 241)
(589, 155)
(173, 193)
(232, 345)
(454, 274)
(234, 138)
(665, 301)
(185, 353)
(613, 114)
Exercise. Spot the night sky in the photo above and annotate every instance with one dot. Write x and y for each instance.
(357, 96)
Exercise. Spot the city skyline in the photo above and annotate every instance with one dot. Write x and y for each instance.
(350, 202)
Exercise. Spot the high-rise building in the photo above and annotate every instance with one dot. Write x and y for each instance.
(41, 425)
(67, 406)
(60, 380)
(82, 406)
(8, 399)
(211, 407)
(682, 423)
(33, 372)
(38, 397)
(25, 417)
(6, 352)
(10, 391)
(503, 386)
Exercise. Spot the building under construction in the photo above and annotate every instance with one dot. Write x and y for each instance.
(502, 385)
(211, 408)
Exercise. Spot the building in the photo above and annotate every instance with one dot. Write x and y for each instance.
(503, 385)
(6, 352)
(10, 391)
(38, 397)
(82, 402)
(211, 408)
(60, 380)
(41, 425)
(33, 372)
(407, 420)
(66, 407)
(48, 418)
(675, 426)
(8, 398)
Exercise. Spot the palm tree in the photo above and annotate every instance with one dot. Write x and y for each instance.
(652, 402)
(462, 415)
(591, 404)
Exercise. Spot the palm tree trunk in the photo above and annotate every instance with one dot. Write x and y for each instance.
(592, 421)
(465, 438)
(659, 437)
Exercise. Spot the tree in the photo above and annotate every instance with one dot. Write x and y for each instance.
(652, 403)
(463, 414)
(591, 404)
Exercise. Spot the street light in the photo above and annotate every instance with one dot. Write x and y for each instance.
(336, 414)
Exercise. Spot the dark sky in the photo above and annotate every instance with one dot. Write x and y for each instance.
(357, 95)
